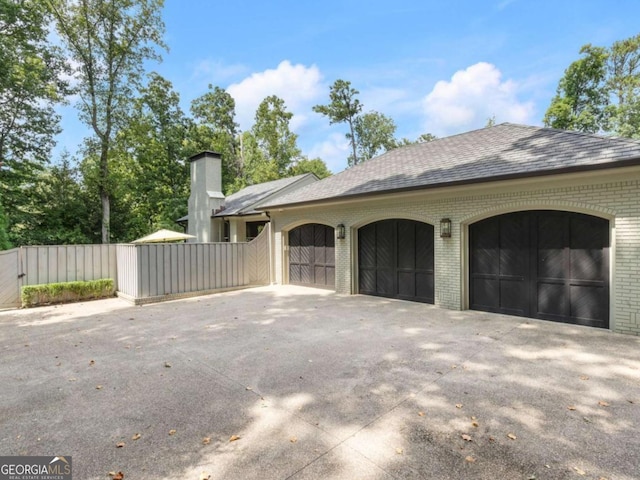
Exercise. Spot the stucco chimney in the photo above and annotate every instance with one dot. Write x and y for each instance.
(206, 194)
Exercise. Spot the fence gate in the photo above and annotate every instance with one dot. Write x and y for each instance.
(9, 278)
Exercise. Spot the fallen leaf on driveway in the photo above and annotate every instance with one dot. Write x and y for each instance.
(421, 414)
(511, 436)
(579, 471)
(167, 364)
(466, 437)
(458, 405)
(571, 407)
(293, 439)
(136, 436)
(206, 440)
(399, 451)
(475, 424)
(248, 388)
(584, 377)
(602, 403)
(172, 432)
(470, 459)
(234, 438)
(120, 444)
(98, 387)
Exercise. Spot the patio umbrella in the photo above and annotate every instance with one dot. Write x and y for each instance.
(164, 235)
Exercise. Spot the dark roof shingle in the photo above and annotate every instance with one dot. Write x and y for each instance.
(503, 151)
(244, 201)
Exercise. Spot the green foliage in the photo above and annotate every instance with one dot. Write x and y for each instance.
(34, 295)
(151, 186)
(30, 87)
(343, 107)
(305, 165)
(424, 138)
(5, 244)
(582, 97)
(275, 139)
(109, 41)
(375, 133)
(57, 211)
(623, 83)
(369, 134)
(214, 128)
(600, 92)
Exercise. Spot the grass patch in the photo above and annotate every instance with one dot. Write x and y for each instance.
(66, 292)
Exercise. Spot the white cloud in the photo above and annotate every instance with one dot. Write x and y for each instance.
(298, 85)
(334, 150)
(471, 97)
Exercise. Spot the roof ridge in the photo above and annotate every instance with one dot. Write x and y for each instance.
(601, 136)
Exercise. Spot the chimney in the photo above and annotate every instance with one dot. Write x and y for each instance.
(206, 194)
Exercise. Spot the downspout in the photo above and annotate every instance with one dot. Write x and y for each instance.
(271, 268)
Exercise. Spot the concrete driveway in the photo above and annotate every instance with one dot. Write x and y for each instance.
(316, 385)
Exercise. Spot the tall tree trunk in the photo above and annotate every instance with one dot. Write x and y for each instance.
(353, 142)
(105, 198)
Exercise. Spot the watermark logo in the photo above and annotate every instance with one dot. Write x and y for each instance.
(35, 468)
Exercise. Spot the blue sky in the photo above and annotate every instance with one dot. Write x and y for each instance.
(442, 67)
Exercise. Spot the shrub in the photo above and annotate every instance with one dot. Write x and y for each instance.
(33, 295)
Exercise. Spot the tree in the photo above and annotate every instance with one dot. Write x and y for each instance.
(215, 129)
(623, 83)
(30, 87)
(279, 145)
(581, 99)
(5, 244)
(257, 167)
(424, 138)
(375, 135)
(57, 212)
(305, 165)
(109, 41)
(344, 107)
(152, 177)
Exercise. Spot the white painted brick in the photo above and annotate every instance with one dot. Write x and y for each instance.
(619, 201)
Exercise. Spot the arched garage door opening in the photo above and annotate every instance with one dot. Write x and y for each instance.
(312, 256)
(395, 259)
(543, 264)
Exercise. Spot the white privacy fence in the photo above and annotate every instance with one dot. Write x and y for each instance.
(52, 264)
(141, 272)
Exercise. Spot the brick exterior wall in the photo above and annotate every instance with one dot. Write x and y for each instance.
(617, 201)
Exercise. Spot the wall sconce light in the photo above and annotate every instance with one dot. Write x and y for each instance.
(445, 228)
(341, 231)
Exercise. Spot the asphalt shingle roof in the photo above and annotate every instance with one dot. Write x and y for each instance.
(244, 201)
(498, 152)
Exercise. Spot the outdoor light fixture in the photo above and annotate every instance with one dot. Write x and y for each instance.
(445, 228)
(341, 231)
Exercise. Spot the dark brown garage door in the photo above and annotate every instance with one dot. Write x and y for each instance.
(395, 259)
(312, 256)
(542, 264)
